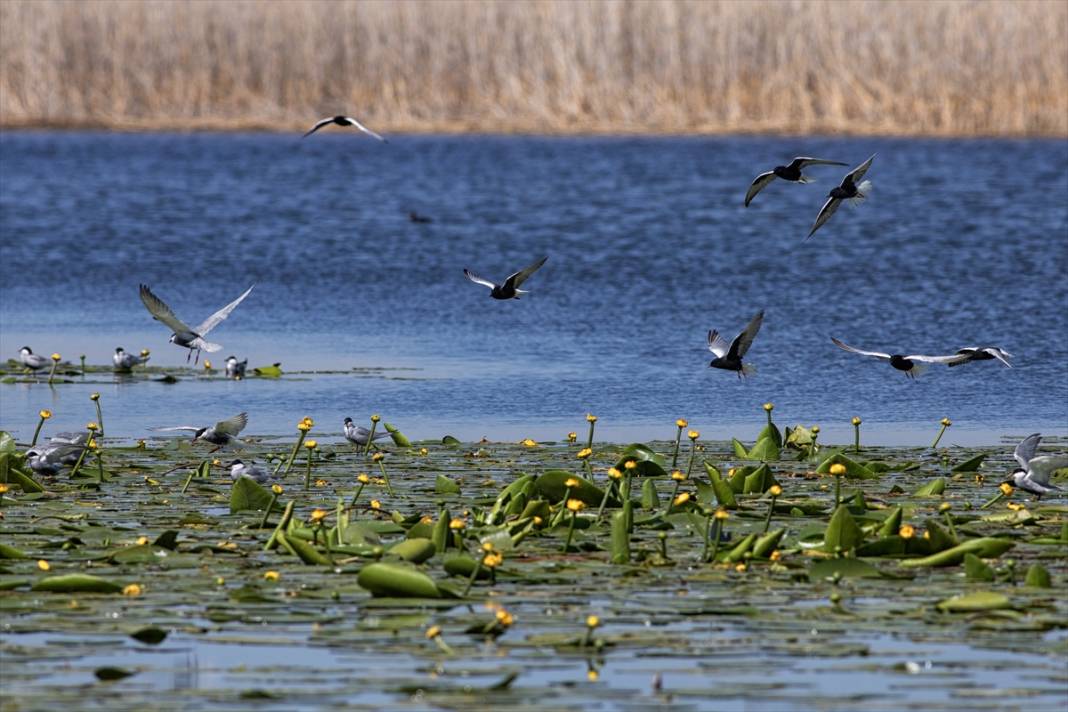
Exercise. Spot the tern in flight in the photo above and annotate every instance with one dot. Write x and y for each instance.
(221, 434)
(791, 173)
(984, 353)
(190, 338)
(343, 121)
(1034, 472)
(510, 289)
(729, 356)
(853, 189)
(912, 365)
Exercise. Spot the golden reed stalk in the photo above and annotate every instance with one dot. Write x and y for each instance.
(946, 67)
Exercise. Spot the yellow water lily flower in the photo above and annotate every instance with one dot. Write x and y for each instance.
(857, 420)
(311, 444)
(528, 443)
(683, 498)
(838, 469)
(44, 565)
(775, 490)
(769, 407)
(614, 473)
(678, 476)
(271, 575)
(575, 505)
(1006, 489)
(591, 418)
(45, 414)
(133, 589)
(592, 621)
(693, 434)
(681, 423)
(318, 515)
(907, 531)
(721, 514)
(584, 453)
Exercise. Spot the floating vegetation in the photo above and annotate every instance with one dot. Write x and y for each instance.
(527, 573)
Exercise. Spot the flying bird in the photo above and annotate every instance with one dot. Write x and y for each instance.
(510, 289)
(912, 365)
(235, 369)
(1034, 472)
(984, 353)
(124, 361)
(791, 173)
(853, 189)
(221, 434)
(240, 469)
(357, 434)
(729, 356)
(32, 361)
(343, 121)
(192, 339)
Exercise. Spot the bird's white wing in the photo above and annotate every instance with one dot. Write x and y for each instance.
(803, 161)
(826, 212)
(318, 126)
(479, 280)
(846, 347)
(744, 340)
(160, 311)
(363, 128)
(232, 426)
(948, 360)
(858, 173)
(215, 319)
(758, 184)
(190, 428)
(521, 276)
(717, 344)
(1042, 467)
(1027, 448)
(999, 354)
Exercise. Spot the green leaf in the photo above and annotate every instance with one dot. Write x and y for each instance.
(25, 482)
(853, 469)
(248, 494)
(1038, 577)
(975, 569)
(620, 538)
(892, 522)
(978, 601)
(167, 540)
(151, 635)
(842, 568)
(740, 450)
(986, 548)
(303, 550)
(551, 486)
(397, 580)
(765, 449)
(463, 565)
(10, 552)
(724, 493)
(739, 551)
(450, 441)
(650, 464)
(443, 485)
(771, 431)
(933, 488)
(272, 371)
(766, 544)
(76, 583)
(414, 550)
(650, 500)
(758, 481)
(109, 673)
(842, 533)
(970, 465)
(398, 437)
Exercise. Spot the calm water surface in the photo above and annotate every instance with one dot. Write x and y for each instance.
(961, 243)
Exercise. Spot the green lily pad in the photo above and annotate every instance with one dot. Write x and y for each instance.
(397, 581)
(443, 485)
(854, 469)
(76, 583)
(649, 463)
(971, 602)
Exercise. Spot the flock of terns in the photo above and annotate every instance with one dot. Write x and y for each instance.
(1032, 475)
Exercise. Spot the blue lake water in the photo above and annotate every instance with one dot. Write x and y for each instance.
(961, 243)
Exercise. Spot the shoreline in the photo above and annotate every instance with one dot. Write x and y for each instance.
(518, 129)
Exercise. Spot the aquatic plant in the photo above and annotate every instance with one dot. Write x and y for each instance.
(945, 423)
(42, 415)
(856, 433)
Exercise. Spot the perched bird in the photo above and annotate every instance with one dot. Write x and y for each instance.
(912, 365)
(417, 218)
(510, 289)
(240, 469)
(192, 339)
(343, 121)
(235, 369)
(729, 356)
(852, 189)
(984, 353)
(32, 361)
(125, 362)
(61, 449)
(221, 434)
(1034, 472)
(357, 434)
(791, 173)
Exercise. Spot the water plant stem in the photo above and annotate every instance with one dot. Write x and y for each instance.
(81, 458)
(678, 443)
(307, 472)
(837, 490)
(945, 424)
(99, 413)
(771, 511)
(267, 512)
(293, 455)
(382, 469)
(589, 437)
(570, 531)
(356, 496)
(371, 435)
(717, 533)
(856, 434)
(473, 576)
(37, 430)
(604, 499)
(693, 454)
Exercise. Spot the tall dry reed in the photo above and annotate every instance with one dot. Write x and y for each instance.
(861, 66)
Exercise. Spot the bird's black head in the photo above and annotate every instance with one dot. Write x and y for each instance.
(119, 350)
(197, 434)
(340, 119)
(236, 462)
(27, 349)
(348, 421)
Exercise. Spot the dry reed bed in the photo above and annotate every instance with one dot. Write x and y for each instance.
(857, 66)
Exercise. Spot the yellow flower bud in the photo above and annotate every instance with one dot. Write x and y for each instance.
(907, 531)
(271, 575)
(318, 515)
(838, 469)
(775, 490)
(376, 418)
(678, 476)
(584, 453)
(527, 442)
(456, 523)
(56, 357)
(1006, 489)
(377, 457)
(94, 396)
(572, 437)
(857, 420)
(946, 422)
(362, 478)
(629, 465)
(310, 444)
(375, 504)
(683, 498)
(303, 427)
(741, 568)
(277, 489)
(45, 414)
(592, 621)
(681, 423)
(142, 540)
(92, 426)
(423, 451)
(44, 565)
(576, 505)
(132, 590)
(591, 418)
(693, 434)
(3, 488)
(722, 515)
(769, 407)
(775, 555)
(433, 632)
(614, 473)
(944, 507)
(571, 483)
